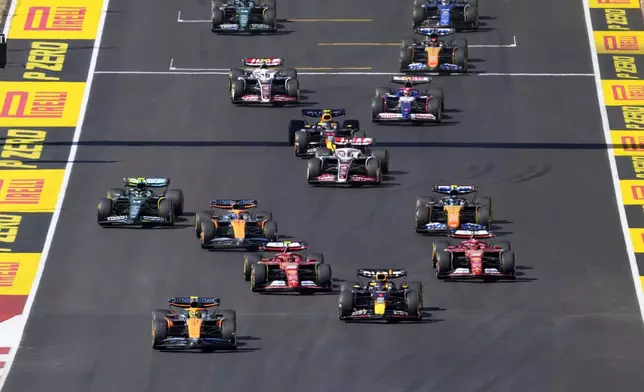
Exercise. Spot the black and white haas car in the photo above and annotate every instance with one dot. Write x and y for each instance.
(264, 82)
(408, 104)
(352, 162)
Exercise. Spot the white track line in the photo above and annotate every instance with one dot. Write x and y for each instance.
(66, 177)
(613, 164)
(218, 71)
(190, 21)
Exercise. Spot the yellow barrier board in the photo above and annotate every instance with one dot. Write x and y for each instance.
(623, 92)
(60, 19)
(29, 190)
(619, 42)
(632, 192)
(40, 104)
(637, 237)
(614, 3)
(17, 272)
(627, 143)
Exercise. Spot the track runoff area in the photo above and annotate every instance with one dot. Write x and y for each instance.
(43, 94)
(45, 90)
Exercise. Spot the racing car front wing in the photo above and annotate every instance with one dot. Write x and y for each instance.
(235, 28)
(282, 286)
(332, 179)
(466, 273)
(466, 230)
(364, 314)
(194, 344)
(229, 242)
(126, 220)
(398, 117)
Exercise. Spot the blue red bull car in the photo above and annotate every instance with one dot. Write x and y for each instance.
(445, 14)
(408, 104)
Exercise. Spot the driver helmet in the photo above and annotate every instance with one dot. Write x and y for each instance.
(407, 91)
(445, 2)
(233, 216)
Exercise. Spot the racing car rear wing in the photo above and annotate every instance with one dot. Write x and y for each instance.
(320, 112)
(257, 62)
(358, 141)
(152, 182)
(412, 80)
(472, 234)
(284, 246)
(194, 302)
(440, 31)
(382, 273)
(449, 189)
(227, 204)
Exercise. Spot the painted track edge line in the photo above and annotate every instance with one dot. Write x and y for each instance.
(61, 195)
(639, 292)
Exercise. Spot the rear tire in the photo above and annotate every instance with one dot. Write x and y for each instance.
(422, 217)
(313, 169)
(373, 168)
(324, 276)
(258, 277)
(443, 264)
(166, 210)
(300, 147)
(237, 90)
(159, 329)
(207, 234)
(199, 218)
(383, 157)
(345, 304)
(418, 14)
(377, 107)
(406, 57)
(250, 260)
(438, 246)
(229, 332)
(176, 197)
(508, 266)
(293, 127)
(104, 210)
(270, 230)
(484, 216)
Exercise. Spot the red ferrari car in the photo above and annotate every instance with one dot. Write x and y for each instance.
(473, 258)
(290, 269)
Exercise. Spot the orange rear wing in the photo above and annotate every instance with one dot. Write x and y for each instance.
(228, 204)
(194, 302)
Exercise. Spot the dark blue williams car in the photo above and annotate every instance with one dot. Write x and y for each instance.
(458, 14)
(407, 104)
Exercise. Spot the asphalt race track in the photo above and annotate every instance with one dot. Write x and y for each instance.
(533, 143)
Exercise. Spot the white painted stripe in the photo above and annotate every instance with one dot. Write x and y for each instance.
(216, 71)
(613, 164)
(63, 189)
